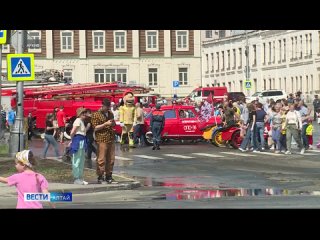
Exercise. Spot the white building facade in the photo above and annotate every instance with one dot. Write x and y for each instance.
(153, 58)
(278, 59)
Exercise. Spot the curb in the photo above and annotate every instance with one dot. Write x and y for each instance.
(98, 188)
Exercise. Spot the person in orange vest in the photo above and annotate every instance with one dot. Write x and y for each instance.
(157, 124)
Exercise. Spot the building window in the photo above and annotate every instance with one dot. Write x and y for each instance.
(182, 38)
(207, 63)
(222, 69)
(255, 84)
(6, 48)
(241, 85)
(98, 41)
(122, 75)
(228, 59)
(110, 75)
(264, 84)
(218, 62)
(307, 83)
(153, 77)
(292, 49)
(99, 75)
(285, 83)
(120, 41)
(66, 41)
(212, 62)
(208, 33)
(284, 50)
(67, 75)
(292, 80)
(311, 79)
(301, 47)
(270, 53)
(229, 85)
(152, 40)
(319, 41)
(296, 48)
(35, 42)
(280, 52)
(273, 83)
(183, 76)
(310, 37)
(274, 51)
(240, 58)
(234, 59)
(297, 84)
(264, 53)
(280, 83)
(254, 55)
(222, 33)
(307, 50)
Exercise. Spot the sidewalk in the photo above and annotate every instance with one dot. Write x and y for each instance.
(124, 183)
(6, 191)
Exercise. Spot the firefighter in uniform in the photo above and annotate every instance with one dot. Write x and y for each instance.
(157, 125)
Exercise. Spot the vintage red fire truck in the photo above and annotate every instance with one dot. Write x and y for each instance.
(42, 100)
(182, 122)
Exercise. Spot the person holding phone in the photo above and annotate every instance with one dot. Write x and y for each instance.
(103, 122)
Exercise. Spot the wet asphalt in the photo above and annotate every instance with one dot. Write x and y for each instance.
(189, 175)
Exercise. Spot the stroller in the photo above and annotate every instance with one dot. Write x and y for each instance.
(67, 155)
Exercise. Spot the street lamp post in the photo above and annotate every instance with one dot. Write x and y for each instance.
(247, 60)
(16, 143)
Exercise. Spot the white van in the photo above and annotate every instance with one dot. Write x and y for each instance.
(274, 94)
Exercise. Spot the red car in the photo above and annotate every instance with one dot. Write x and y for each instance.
(181, 122)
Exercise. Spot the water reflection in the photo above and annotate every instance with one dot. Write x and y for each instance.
(236, 192)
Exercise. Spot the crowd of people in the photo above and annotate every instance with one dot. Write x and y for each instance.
(270, 125)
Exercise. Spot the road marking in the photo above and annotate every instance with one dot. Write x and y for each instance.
(147, 157)
(123, 158)
(310, 154)
(207, 155)
(177, 156)
(313, 150)
(270, 153)
(239, 154)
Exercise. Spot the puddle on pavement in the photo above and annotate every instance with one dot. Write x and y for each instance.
(237, 192)
(190, 191)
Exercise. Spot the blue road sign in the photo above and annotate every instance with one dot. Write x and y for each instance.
(248, 84)
(20, 67)
(175, 83)
(3, 36)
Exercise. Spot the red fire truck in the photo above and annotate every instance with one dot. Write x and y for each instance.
(42, 100)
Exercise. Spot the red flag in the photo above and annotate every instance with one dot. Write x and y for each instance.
(210, 98)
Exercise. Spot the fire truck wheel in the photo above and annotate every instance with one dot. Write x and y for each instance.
(236, 139)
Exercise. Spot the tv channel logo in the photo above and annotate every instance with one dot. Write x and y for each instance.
(48, 197)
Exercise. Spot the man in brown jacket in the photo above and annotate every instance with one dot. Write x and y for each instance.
(103, 122)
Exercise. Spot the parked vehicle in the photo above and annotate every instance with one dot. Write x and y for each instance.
(235, 96)
(201, 93)
(42, 100)
(274, 94)
(181, 123)
(253, 97)
(227, 135)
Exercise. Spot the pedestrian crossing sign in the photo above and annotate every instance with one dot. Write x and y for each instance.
(3, 36)
(248, 84)
(20, 67)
